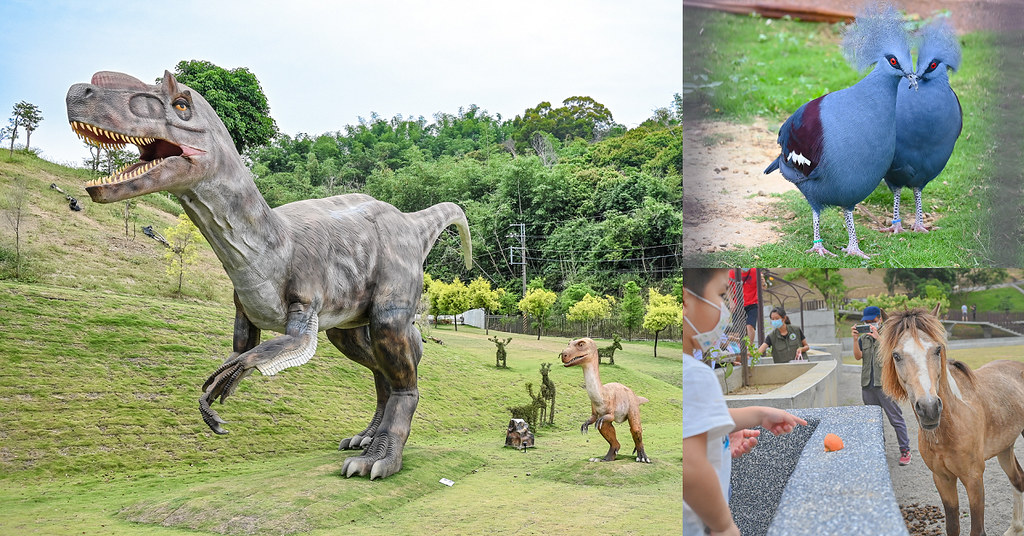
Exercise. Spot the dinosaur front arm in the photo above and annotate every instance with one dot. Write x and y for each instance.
(294, 348)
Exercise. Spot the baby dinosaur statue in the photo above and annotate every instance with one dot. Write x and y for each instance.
(611, 402)
(349, 265)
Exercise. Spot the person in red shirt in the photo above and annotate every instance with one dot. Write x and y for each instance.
(749, 277)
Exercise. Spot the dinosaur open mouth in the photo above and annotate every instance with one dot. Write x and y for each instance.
(152, 151)
(573, 361)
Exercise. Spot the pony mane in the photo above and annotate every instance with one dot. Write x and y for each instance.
(939, 41)
(962, 368)
(877, 29)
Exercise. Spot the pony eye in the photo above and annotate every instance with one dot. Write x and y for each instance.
(896, 356)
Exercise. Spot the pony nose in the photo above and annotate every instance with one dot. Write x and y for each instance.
(929, 409)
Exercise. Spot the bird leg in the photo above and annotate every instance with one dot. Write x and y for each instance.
(818, 248)
(897, 225)
(919, 224)
(853, 248)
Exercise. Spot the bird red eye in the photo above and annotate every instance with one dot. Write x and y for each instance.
(893, 62)
(933, 65)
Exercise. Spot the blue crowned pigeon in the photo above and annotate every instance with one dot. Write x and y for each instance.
(928, 121)
(837, 148)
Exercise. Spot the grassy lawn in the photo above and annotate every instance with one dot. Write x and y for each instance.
(101, 432)
(996, 299)
(748, 66)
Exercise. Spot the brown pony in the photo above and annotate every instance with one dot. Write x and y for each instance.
(966, 416)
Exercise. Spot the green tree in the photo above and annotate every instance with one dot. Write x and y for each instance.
(237, 98)
(662, 311)
(537, 303)
(827, 281)
(571, 296)
(183, 248)
(449, 299)
(631, 309)
(483, 297)
(27, 116)
(590, 309)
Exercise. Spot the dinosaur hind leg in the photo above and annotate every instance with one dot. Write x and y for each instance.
(638, 440)
(604, 425)
(355, 344)
(397, 348)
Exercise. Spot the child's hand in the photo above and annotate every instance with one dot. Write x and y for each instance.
(742, 441)
(780, 422)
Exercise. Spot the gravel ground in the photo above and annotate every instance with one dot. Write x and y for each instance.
(765, 471)
(915, 491)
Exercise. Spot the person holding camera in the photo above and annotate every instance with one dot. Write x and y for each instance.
(865, 349)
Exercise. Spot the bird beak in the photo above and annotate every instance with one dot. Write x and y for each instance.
(913, 81)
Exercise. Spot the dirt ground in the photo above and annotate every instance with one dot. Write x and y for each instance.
(725, 186)
(913, 485)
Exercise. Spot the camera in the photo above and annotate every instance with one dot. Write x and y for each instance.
(863, 328)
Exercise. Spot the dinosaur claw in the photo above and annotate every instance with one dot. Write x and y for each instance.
(210, 417)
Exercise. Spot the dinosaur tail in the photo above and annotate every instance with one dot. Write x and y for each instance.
(436, 218)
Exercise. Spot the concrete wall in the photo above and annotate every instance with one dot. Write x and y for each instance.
(819, 326)
(844, 492)
(810, 385)
(474, 317)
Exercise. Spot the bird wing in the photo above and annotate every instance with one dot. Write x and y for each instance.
(801, 141)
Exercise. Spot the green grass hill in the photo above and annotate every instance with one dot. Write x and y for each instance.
(101, 368)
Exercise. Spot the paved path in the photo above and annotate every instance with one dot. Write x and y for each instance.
(913, 483)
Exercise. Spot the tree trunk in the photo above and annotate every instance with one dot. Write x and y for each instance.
(28, 138)
(656, 342)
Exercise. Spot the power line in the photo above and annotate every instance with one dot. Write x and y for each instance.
(643, 248)
(585, 261)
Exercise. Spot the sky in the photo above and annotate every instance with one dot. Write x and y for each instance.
(323, 65)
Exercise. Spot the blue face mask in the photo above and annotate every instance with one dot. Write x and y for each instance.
(777, 323)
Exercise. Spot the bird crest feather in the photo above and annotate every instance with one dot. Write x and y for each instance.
(878, 30)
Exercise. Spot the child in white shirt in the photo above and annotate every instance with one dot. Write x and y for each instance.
(713, 434)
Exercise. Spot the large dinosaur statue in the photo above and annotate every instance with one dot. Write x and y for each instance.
(349, 264)
(609, 403)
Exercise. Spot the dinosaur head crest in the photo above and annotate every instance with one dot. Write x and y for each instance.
(940, 48)
(176, 130)
(878, 36)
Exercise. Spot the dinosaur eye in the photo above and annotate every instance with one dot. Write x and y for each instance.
(183, 108)
(893, 61)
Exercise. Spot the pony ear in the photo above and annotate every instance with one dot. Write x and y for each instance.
(891, 381)
(885, 316)
(935, 311)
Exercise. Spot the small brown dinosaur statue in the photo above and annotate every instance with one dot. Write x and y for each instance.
(611, 402)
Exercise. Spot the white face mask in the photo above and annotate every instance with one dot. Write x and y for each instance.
(710, 339)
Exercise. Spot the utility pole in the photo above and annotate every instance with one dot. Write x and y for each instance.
(522, 250)
(522, 256)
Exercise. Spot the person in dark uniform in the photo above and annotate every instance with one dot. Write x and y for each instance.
(786, 340)
(865, 348)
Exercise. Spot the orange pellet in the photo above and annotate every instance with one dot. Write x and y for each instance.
(833, 443)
